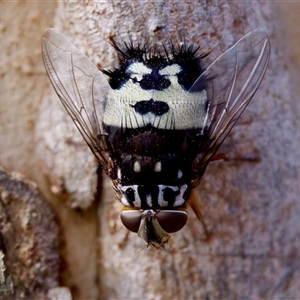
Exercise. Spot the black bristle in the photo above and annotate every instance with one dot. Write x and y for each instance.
(154, 57)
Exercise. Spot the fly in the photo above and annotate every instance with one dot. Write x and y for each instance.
(158, 120)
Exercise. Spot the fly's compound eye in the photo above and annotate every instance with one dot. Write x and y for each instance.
(131, 219)
(169, 220)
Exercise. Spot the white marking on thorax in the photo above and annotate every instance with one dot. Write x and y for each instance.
(137, 167)
(157, 167)
(179, 174)
(179, 200)
(149, 200)
(119, 175)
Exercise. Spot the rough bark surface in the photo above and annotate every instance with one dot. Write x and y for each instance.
(250, 206)
(29, 240)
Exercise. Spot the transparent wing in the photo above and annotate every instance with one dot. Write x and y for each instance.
(232, 80)
(81, 87)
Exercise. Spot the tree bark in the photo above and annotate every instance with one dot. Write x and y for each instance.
(249, 205)
(29, 240)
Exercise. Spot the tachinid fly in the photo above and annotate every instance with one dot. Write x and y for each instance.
(158, 121)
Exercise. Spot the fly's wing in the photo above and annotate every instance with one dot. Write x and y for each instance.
(231, 80)
(81, 87)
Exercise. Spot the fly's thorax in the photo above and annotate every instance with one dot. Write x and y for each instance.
(154, 167)
(154, 196)
(146, 181)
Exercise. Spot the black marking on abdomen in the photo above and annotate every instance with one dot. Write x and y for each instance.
(158, 108)
(154, 81)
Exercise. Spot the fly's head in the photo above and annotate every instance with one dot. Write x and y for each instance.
(154, 227)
